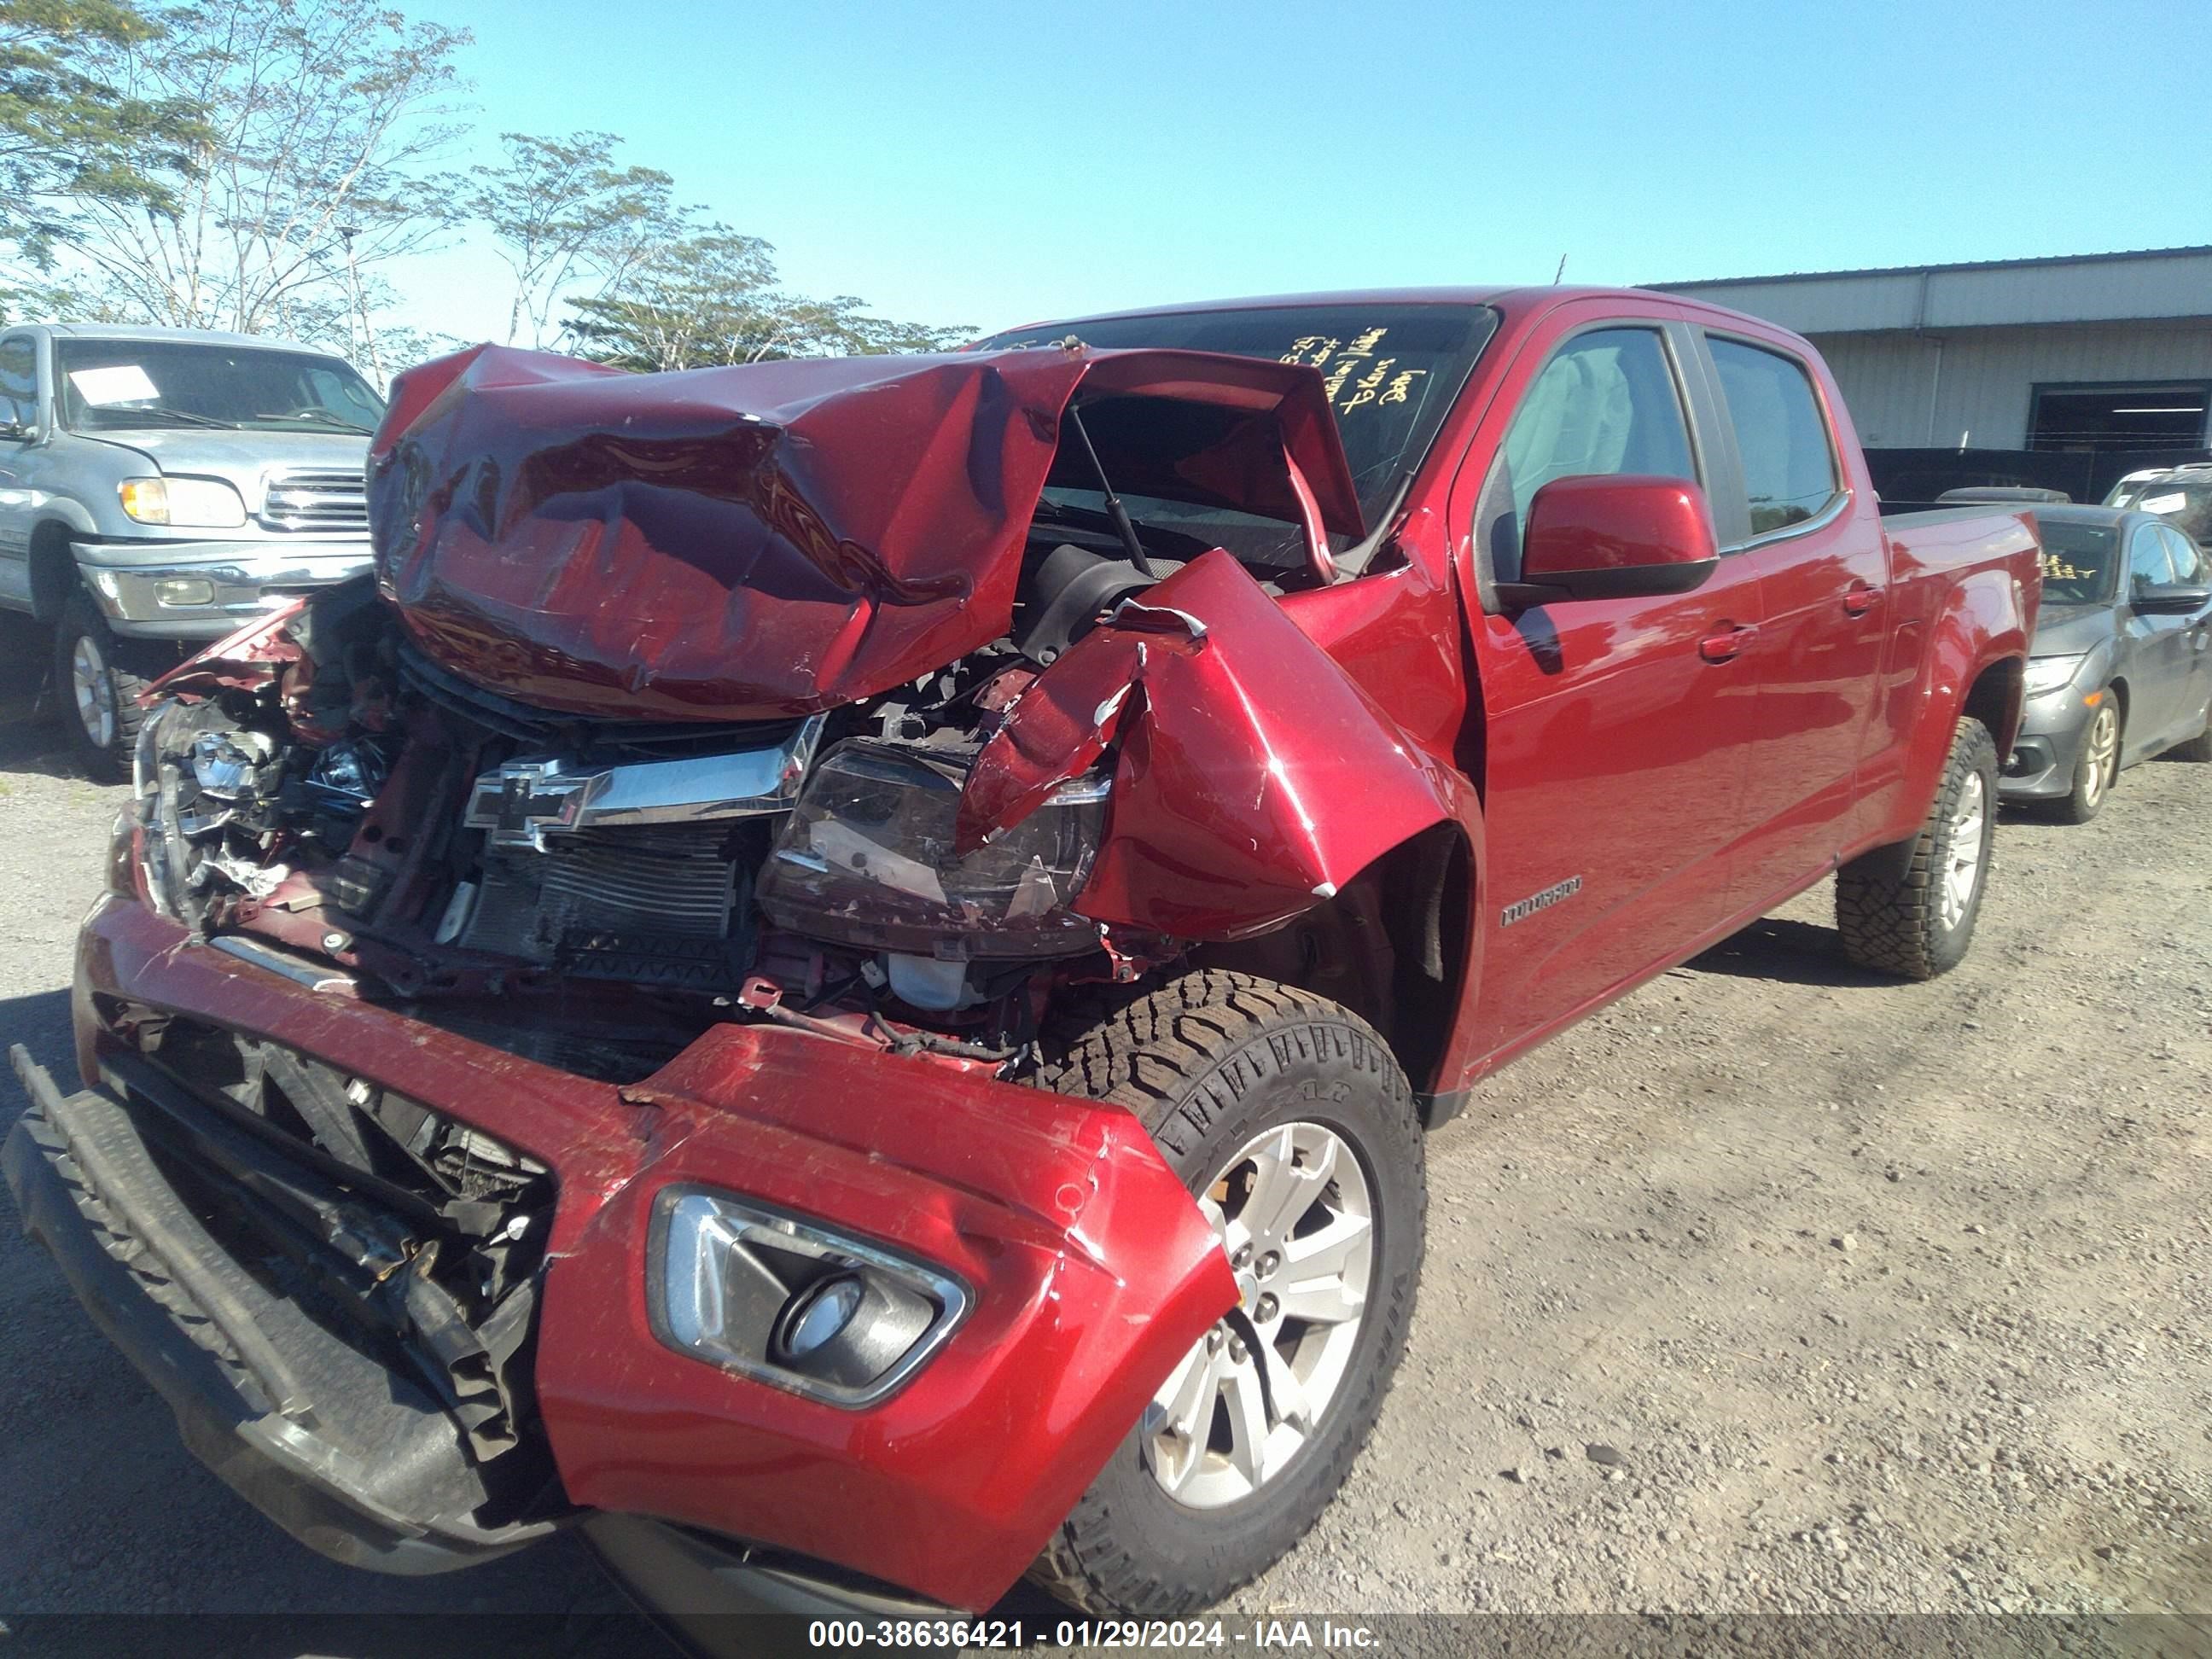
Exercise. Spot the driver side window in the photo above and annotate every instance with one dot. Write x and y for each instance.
(2149, 563)
(19, 384)
(1606, 403)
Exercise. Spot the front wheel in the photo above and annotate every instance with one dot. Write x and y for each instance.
(1910, 909)
(1292, 1123)
(97, 692)
(2097, 768)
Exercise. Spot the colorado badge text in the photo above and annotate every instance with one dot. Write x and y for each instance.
(1543, 901)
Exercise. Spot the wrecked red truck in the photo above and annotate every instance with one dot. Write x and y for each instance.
(836, 974)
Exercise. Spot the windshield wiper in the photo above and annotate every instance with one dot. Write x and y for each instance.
(321, 417)
(188, 417)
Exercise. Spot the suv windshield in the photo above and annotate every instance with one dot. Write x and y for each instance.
(2187, 506)
(1391, 371)
(2080, 561)
(109, 385)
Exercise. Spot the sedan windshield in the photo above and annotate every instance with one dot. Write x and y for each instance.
(110, 386)
(1391, 370)
(2081, 562)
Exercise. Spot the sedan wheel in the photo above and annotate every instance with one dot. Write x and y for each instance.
(2099, 767)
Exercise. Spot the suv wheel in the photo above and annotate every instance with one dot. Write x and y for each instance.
(1910, 909)
(97, 694)
(1290, 1118)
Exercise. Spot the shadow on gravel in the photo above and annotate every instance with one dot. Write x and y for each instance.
(40, 1022)
(1792, 953)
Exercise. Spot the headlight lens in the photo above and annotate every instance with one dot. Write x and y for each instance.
(186, 503)
(792, 1303)
(865, 859)
(2049, 673)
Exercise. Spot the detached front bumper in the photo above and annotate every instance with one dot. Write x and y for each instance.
(207, 590)
(1092, 1271)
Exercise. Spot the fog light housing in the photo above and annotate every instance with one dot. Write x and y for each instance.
(184, 591)
(792, 1303)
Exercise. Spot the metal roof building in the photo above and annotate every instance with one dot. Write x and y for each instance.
(2101, 353)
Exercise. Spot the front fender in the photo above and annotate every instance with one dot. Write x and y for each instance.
(1981, 622)
(1254, 777)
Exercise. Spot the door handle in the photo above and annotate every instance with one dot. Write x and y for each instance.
(1861, 598)
(1724, 641)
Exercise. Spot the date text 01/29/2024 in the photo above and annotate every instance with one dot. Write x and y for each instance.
(1261, 1635)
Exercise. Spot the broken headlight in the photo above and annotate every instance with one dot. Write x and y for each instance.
(865, 859)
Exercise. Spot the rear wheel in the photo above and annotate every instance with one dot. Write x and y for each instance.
(2097, 768)
(96, 691)
(1290, 1118)
(1910, 909)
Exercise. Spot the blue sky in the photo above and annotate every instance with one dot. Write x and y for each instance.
(993, 164)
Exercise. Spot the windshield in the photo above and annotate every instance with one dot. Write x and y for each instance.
(2184, 505)
(1391, 371)
(110, 386)
(2080, 561)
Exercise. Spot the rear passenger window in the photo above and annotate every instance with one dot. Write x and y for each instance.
(1605, 403)
(1788, 464)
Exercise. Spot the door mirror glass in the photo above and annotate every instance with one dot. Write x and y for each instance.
(1615, 536)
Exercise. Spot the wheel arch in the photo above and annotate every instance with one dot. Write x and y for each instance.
(1394, 945)
(53, 569)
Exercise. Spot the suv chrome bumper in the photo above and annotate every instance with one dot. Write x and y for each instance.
(206, 590)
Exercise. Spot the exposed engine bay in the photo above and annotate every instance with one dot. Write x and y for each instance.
(470, 856)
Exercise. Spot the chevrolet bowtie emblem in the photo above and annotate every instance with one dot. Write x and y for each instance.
(523, 799)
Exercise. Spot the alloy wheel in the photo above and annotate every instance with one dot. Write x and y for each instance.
(1295, 1216)
(93, 688)
(1962, 851)
(2103, 753)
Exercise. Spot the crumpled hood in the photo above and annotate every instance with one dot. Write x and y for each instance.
(740, 544)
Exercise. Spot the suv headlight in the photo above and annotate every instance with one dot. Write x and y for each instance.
(865, 859)
(2049, 673)
(792, 1303)
(183, 503)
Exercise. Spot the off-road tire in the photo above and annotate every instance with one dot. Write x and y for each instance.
(2081, 801)
(1888, 901)
(108, 761)
(1206, 1061)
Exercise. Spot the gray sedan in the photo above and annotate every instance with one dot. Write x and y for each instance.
(2121, 666)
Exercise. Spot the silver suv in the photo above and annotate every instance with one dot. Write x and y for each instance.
(161, 485)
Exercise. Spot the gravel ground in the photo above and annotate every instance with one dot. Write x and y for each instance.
(1774, 1288)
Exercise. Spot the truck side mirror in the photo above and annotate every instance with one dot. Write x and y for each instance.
(1614, 536)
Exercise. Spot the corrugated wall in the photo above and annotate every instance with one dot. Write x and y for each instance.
(1900, 398)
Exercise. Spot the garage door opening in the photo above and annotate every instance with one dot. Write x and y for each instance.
(2165, 414)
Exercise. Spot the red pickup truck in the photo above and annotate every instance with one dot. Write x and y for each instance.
(837, 973)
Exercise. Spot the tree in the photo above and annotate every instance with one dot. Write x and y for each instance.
(320, 114)
(707, 296)
(66, 133)
(565, 218)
